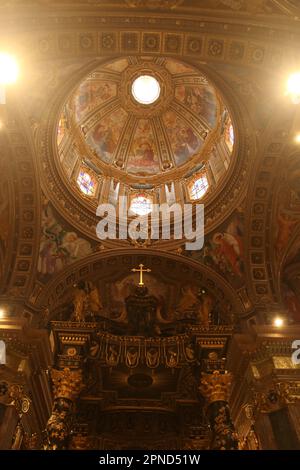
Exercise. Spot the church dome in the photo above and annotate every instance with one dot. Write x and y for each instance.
(145, 123)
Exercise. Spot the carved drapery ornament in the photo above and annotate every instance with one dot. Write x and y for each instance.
(215, 388)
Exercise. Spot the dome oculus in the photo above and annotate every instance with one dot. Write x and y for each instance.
(138, 127)
(145, 89)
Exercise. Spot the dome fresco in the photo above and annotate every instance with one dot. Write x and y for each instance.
(106, 127)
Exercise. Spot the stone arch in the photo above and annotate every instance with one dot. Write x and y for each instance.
(51, 295)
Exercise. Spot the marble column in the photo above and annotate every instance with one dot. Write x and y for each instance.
(67, 384)
(215, 388)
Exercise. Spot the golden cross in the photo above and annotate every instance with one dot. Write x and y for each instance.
(141, 271)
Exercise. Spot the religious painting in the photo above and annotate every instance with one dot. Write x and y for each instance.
(288, 208)
(291, 301)
(91, 94)
(175, 67)
(104, 136)
(183, 139)
(224, 252)
(143, 153)
(200, 100)
(286, 223)
(59, 246)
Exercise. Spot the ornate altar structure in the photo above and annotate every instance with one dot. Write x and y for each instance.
(139, 378)
(134, 387)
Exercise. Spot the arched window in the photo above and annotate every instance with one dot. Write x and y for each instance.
(229, 135)
(87, 183)
(141, 204)
(198, 187)
(62, 127)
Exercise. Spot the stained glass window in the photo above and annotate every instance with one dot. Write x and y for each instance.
(87, 183)
(199, 187)
(141, 205)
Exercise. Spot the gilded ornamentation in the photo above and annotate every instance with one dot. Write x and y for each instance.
(19, 400)
(250, 441)
(67, 383)
(17, 437)
(216, 386)
(224, 435)
(59, 425)
(276, 397)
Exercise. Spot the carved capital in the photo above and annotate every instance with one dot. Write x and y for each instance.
(216, 386)
(67, 383)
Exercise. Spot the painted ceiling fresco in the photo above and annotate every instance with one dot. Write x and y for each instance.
(59, 245)
(144, 140)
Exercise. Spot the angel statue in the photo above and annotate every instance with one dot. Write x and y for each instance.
(189, 299)
(94, 301)
(206, 308)
(79, 302)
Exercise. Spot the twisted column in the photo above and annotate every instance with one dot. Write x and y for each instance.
(215, 388)
(67, 384)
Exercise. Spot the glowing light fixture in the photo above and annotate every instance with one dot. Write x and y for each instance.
(9, 69)
(278, 322)
(145, 89)
(297, 138)
(293, 87)
(9, 72)
(2, 313)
